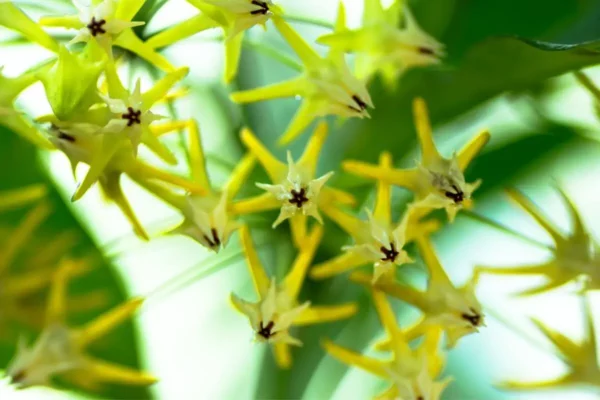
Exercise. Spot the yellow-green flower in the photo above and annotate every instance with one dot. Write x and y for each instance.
(579, 357)
(327, 87)
(233, 16)
(437, 182)
(109, 23)
(294, 188)
(573, 256)
(208, 218)
(13, 119)
(278, 308)
(13, 18)
(411, 373)
(455, 310)
(17, 198)
(377, 241)
(382, 47)
(60, 350)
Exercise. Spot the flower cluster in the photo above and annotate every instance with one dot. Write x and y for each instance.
(101, 120)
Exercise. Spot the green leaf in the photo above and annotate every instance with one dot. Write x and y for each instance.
(21, 168)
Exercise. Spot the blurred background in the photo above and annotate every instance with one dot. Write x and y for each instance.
(544, 130)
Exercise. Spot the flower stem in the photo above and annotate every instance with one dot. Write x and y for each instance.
(308, 21)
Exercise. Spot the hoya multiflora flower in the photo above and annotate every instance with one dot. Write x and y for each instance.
(381, 46)
(233, 16)
(573, 256)
(208, 216)
(13, 18)
(327, 87)
(278, 308)
(108, 23)
(377, 241)
(17, 198)
(294, 188)
(437, 182)
(60, 349)
(455, 310)
(580, 357)
(413, 374)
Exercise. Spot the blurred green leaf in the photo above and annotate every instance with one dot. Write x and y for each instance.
(21, 168)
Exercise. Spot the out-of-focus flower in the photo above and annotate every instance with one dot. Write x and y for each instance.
(208, 217)
(580, 358)
(9, 116)
(294, 187)
(278, 308)
(108, 23)
(233, 16)
(377, 241)
(327, 87)
(382, 47)
(437, 182)
(13, 18)
(411, 373)
(573, 256)
(455, 310)
(60, 350)
(17, 198)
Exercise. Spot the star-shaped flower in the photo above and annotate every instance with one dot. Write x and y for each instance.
(233, 16)
(327, 87)
(278, 308)
(382, 47)
(437, 182)
(60, 350)
(109, 23)
(573, 256)
(294, 187)
(455, 310)
(411, 373)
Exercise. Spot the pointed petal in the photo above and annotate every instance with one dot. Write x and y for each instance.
(407, 178)
(12, 199)
(127, 9)
(185, 29)
(239, 175)
(322, 314)
(108, 372)
(349, 357)
(388, 320)
(197, 159)
(290, 88)
(56, 309)
(436, 271)
(283, 355)
(550, 285)
(551, 383)
(263, 202)
(373, 12)
(383, 206)
(108, 321)
(157, 147)
(349, 223)
(162, 87)
(13, 18)
(402, 292)
(305, 115)
(294, 279)
(309, 57)
(342, 263)
(566, 347)
(428, 149)
(233, 51)
(24, 128)
(257, 271)
(579, 231)
(313, 148)
(472, 149)
(298, 227)
(68, 21)
(274, 168)
(533, 211)
(546, 268)
(129, 41)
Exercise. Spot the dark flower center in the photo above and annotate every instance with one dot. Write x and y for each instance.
(96, 27)
(389, 254)
(426, 51)
(132, 116)
(17, 377)
(298, 197)
(214, 241)
(457, 196)
(361, 105)
(266, 331)
(474, 318)
(264, 8)
(64, 136)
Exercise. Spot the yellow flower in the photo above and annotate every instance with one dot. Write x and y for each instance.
(377, 241)
(455, 310)
(382, 47)
(108, 23)
(17, 198)
(278, 308)
(294, 187)
(233, 16)
(121, 124)
(437, 182)
(411, 373)
(327, 87)
(580, 358)
(208, 218)
(573, 255)
(9, 116)
(15, 19)
(60, 350)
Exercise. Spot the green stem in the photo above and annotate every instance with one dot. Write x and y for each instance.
(308, 21)
(587, 83)
(494, 224)
(274, 54)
